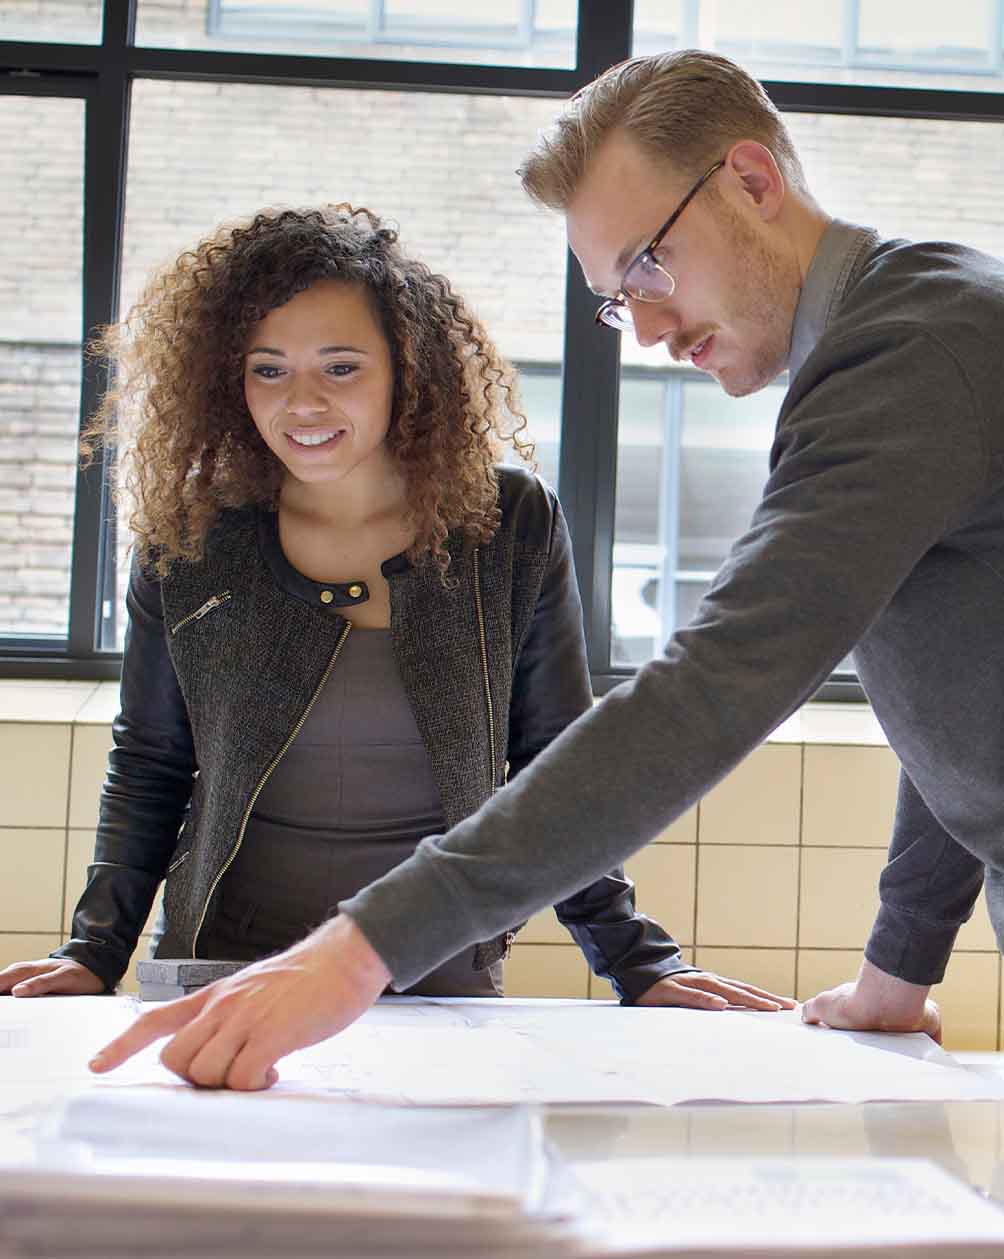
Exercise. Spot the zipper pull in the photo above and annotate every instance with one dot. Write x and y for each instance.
(210, 604)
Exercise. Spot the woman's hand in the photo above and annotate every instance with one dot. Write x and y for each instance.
(233, 1032)
(49, 977)
(702, 990)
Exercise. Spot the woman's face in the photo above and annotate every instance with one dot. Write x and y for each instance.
(319, 383)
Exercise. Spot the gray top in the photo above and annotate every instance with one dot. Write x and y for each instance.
(881, 529)
(350, 799)
(358, 767)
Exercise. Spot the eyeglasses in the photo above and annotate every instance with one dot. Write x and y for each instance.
(645, 278)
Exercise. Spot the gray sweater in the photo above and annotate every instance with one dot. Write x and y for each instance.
(881, 529)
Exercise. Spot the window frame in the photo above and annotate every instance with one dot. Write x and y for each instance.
(102, 74)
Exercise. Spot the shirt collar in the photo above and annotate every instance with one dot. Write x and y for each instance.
(835, 260)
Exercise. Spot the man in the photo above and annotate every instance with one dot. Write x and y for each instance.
(881, 529)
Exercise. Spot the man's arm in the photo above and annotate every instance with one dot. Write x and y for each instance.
(927, 890)
(866, 477)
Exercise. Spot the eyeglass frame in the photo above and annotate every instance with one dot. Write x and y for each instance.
(619, 300)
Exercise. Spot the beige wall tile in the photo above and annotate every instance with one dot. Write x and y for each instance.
(682, 831)
(129, 982)
(747, 896)
(31, 879)
(968, 1000)
(34, 774)
(79, 855)
(977, 933)
(819, 969)
(758, 803)
(602, 989)
(839, 896)
(546, 970)
(544, 928)
(26, 947)
(37, 700)
(664, 886)
(773, 969)
(102, 706)
(91, 745)
(849, 796)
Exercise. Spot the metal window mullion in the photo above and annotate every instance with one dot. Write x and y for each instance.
(106, 135)
(590, 381)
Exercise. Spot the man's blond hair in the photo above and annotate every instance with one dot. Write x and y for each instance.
(687, 107)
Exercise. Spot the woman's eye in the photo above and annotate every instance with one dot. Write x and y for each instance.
(267, 371)
(342, 369)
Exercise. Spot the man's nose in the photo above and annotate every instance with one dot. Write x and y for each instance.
(652, 321)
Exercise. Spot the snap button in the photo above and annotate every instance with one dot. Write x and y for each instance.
(355, 590)
(326, 596)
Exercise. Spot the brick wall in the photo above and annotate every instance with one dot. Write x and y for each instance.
(442, 165)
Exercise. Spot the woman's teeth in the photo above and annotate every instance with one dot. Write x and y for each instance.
(312, 439)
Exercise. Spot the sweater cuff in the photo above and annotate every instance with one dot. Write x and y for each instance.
(412, 918)
(910, 948)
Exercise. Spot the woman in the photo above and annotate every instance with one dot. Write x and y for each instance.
(347, 625)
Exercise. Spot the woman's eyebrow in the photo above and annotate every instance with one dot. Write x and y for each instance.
(324, 349)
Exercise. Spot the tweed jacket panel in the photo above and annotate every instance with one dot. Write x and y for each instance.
(270, 653)
(248, 670)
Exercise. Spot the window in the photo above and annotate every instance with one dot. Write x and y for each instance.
(58, 21)
(146, 122)
(506, 32)
(41, 254)
(843, 41)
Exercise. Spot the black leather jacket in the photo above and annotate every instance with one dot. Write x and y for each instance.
(223, 660)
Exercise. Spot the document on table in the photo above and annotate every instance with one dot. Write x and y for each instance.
(417, 1051)
(214, 1172)
(541, 1051)
(784, 1208)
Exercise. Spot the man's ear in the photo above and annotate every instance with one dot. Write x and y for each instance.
(758, 176)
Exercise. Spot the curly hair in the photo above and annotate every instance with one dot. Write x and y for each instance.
(188, 447)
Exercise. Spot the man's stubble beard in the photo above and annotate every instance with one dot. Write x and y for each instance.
(762, 302)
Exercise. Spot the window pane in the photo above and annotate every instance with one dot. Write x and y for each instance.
(692, 461)
(41, 227)
(451, 189)
(921, 43)
(51, 21)
(506, 32)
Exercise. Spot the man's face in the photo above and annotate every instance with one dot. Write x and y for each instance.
(737, 282)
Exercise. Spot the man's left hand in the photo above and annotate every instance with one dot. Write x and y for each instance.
(702, 990)
(233, 1032)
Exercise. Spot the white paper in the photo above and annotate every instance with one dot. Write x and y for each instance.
(471, 1051)
(782, 1207)
(483, 1051)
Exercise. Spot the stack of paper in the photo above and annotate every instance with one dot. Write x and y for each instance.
(219, 1174)
(784, 1208)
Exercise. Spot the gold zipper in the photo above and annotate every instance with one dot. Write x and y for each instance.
(484, 667)
(210, 605)
(264, 779)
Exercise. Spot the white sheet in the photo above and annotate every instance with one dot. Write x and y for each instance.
(411, 1050)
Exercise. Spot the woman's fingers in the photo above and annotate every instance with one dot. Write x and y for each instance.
(49, 976)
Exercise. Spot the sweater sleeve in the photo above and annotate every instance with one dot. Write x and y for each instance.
(866, 476)
(551, 687)
(927, 891)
